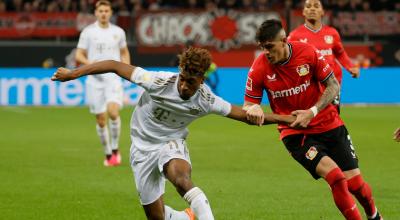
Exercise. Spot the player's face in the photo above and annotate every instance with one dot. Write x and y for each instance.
(313, 10)
(274, 50)
(188, 85)
(103, 14)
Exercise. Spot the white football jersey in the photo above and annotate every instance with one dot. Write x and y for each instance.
(102, 44)
(162, 115)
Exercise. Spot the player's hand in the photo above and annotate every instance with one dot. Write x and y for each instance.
(396, 134)
(355, 72)
(255, 115)
(303, 118)
(63, 74)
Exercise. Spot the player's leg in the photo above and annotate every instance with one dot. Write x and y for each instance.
(328, 169)
(344, 154)
(115, 129)
(362, 191)
(114, 97)
(150, 184)
(102, 132)
(311, 154)
(97, 106)
(175, 163)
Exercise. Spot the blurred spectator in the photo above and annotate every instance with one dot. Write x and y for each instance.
(248, 5)
(355, 5)
(366, 6)
(210, 5)
(3, 6)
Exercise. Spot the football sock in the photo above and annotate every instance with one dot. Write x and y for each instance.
(343, 199)
(363, 193)
(199, 204)
(115, 130)
(171, 214)
(104, 138)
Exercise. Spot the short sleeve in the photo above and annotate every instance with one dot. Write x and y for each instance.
(147, 79)
(322, 69)
(83, 42)
(122, 42)
(220, 106)
(254, 84)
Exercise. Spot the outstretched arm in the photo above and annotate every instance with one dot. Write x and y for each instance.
(121, 69)
(239, 114)
(396, 135)
(331, 91)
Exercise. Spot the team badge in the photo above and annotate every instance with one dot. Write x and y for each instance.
(249, 84)
(328, 39)
(303, 70)
(311, 153)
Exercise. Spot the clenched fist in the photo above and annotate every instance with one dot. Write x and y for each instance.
(63, 74)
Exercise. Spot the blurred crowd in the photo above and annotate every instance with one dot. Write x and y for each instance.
(132, 6)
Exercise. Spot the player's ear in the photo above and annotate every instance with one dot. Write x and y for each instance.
(284, 40)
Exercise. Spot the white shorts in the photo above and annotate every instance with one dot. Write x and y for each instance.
(148, 167)
(99, 97)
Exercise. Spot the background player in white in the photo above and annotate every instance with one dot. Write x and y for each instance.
(104, 41)
(159, 128)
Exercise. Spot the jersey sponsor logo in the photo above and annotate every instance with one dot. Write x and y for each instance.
(325, 52)
(311, 153)
(328, 39)
(303, 70)
(271, 77)
(304, 40)
(249, 84)
(289, 92)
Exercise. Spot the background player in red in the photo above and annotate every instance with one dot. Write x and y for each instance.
(326, 39)
(299, 81)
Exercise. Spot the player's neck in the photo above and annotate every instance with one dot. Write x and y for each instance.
(314, 25)
(104, 24)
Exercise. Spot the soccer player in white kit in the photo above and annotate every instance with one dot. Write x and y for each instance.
(159, 128)
(104, 41)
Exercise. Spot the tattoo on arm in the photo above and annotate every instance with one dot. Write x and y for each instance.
(331, 91)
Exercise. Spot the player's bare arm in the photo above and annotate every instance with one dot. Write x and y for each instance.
(254, 113)
(303, 117)
(240, 114)
(125, 55)
(81, 56)
(123, 70)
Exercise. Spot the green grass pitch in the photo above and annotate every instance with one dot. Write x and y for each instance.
(51, 168)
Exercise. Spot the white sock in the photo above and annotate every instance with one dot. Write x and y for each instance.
(104, 138)
(171, 214)
(199, 204)
(115, 130)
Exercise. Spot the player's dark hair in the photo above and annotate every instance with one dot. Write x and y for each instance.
(268, 30)
(195, 61)
(103, 2)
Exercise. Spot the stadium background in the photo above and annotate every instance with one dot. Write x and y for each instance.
(51, 167)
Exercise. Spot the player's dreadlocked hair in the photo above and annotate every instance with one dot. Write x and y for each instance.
(195, 61)
(268, 30)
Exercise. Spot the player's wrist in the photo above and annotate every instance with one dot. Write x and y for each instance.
(314, 110)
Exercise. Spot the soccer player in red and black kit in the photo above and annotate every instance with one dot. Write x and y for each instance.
(326, 39)
(299, 81)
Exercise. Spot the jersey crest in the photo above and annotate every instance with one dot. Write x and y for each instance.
(328, 39)
(303, 70)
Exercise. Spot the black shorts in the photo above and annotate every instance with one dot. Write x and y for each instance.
(308, 149)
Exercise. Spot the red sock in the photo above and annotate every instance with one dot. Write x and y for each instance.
(363, 193)
(343, 199)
